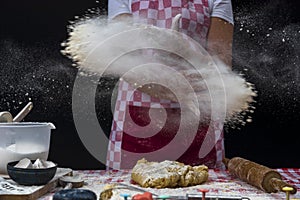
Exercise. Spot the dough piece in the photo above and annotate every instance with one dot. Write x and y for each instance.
(168, 174)
(107, 193)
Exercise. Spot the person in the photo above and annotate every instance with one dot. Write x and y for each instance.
(209, 22)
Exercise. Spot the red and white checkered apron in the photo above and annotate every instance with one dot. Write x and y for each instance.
(132, 123)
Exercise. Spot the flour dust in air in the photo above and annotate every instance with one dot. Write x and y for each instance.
(175, 65)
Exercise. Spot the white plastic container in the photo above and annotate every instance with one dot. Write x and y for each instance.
(23, 140)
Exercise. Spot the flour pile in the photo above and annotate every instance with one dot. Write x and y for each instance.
(150, 57)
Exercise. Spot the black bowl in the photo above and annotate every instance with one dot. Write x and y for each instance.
(30, 176)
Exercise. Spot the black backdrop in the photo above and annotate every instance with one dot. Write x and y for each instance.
(266, 50)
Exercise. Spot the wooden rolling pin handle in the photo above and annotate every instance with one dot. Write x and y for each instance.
(278, 184)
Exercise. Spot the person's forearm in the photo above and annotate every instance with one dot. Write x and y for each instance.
(219, 41)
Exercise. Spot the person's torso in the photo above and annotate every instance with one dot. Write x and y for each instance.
(194, 21)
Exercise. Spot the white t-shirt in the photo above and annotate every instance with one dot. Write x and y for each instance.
(218, 8)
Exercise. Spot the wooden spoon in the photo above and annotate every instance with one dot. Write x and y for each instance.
(20, 116)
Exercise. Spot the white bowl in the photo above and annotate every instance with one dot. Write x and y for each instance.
(23, 140)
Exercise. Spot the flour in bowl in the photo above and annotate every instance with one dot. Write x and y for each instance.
(17, 152)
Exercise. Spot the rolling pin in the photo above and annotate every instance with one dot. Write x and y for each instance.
(262, 177)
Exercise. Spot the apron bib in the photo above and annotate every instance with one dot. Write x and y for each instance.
(134, 135)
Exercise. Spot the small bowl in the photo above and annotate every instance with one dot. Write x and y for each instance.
(30, 177)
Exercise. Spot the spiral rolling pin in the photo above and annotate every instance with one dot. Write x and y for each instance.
(257, 175)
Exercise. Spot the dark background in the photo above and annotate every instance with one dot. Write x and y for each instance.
(266, 50)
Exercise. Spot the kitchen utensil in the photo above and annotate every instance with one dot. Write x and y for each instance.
(29, 176)
(107, 192)
(192, 197)
(20, 116)
(69, 192)
(257, 175)
(149, 196)
(132, 187)
(23, 140)
(219, 197)
(69, 182)
(287, 191)
(6, 116)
